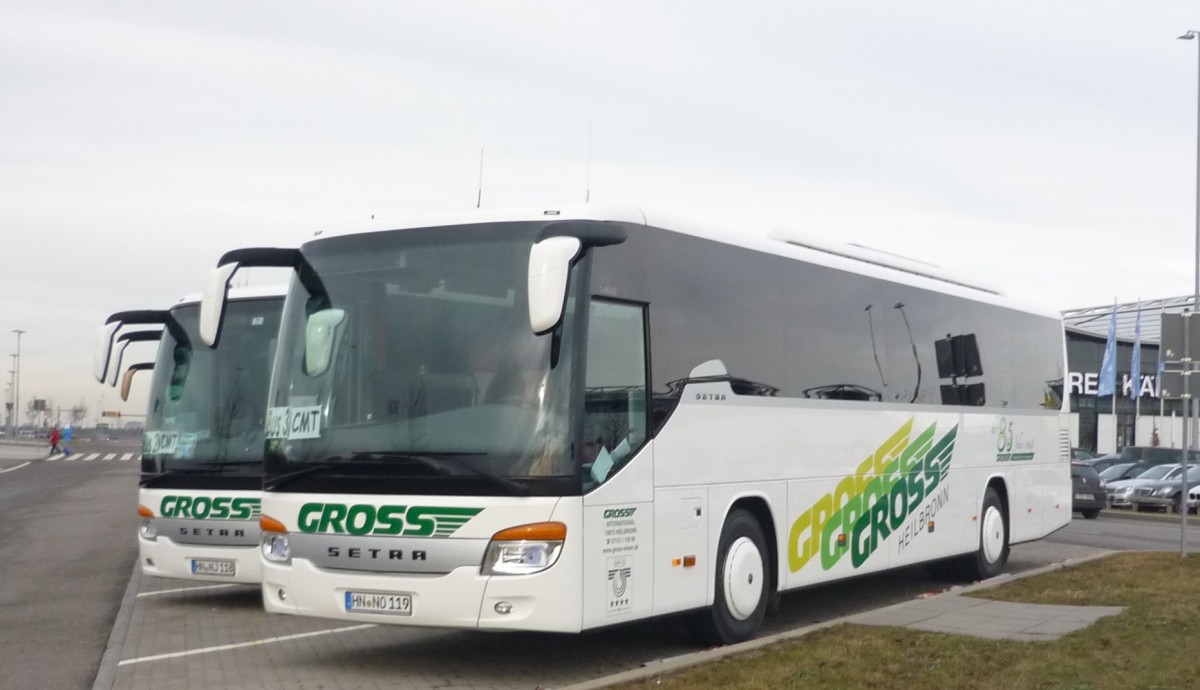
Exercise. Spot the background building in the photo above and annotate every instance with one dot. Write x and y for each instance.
(1140, 413)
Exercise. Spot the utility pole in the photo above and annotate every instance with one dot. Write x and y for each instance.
(17, 368)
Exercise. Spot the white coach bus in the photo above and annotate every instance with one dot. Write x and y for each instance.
(565, 419)
(202, 450)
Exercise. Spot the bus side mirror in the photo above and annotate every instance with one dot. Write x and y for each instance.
(127, 379)
(212, 304)
(549, 268)
(319, 339)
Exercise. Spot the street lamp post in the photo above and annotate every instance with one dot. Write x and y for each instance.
(1183, 490)
(17, 392)
(1191, 36)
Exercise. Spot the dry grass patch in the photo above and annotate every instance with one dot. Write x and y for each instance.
(1155, 643)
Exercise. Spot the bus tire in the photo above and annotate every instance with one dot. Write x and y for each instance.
(989, 559)
(743, 582)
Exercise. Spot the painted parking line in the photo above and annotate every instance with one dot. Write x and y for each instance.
(13, 469)
(177, 590)
(242, 645)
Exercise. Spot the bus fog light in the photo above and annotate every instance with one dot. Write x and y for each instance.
(282, 594)
(503, 608)
(276, 548)
(149, 530)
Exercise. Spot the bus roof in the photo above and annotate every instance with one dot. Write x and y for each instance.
(808, 247)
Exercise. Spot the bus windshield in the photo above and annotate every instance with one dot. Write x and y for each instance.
(205, 416)
(407, 365)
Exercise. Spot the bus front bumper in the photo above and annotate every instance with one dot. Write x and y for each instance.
(162, 557)
(462, 598)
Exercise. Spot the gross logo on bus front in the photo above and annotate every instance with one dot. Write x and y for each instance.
(867, 507)
(386, 520)
(210, 507)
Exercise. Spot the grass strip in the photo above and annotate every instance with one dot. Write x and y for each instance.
(1154, 644)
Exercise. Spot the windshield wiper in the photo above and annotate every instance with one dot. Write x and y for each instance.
(446, 465)
(271, 483)
(179, 472)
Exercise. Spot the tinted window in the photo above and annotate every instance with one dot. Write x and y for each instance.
(790, 329)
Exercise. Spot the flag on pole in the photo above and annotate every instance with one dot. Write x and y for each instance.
(1158, 372)
(1135, 367)
(1108, 367)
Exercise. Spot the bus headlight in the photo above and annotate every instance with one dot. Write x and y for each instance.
(524, 550)
(148, 530)
(275, 545)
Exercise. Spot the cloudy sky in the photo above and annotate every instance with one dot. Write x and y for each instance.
(1045, 147)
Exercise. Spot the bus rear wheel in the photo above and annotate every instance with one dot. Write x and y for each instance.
(743, 583)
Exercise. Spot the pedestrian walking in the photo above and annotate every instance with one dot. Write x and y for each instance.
(55, 436)
(66, 440)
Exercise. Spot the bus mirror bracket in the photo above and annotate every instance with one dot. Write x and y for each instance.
(212, 304)
(108, 336)
(549, 268)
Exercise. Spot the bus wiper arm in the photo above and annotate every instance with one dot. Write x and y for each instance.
(277, 481)
(180, 472)
(449, 464)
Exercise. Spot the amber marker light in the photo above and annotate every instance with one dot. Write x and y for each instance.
(538, 531)
(145, 512)
(269, 524)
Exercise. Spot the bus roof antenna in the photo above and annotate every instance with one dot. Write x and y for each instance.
(479, 196)
(587, 194)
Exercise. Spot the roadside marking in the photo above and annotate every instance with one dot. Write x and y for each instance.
(240, 645)
(110, 456)
(91, 457)
(56, 456)
(184, 589)
(71, 458)
(127, 456)
(27, 462)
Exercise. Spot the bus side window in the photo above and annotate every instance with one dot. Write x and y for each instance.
(614, 423)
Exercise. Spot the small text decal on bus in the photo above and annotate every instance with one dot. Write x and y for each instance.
(868, 506)
(364, 518)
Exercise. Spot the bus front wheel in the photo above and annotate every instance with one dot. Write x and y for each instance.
(989, 559)
(742, 582)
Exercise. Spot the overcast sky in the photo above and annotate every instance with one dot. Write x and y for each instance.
(1045, 147)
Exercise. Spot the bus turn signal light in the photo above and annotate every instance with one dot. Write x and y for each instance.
(270, 524)
(145, 512)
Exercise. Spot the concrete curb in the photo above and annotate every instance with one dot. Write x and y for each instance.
(106, 675)
(664, 666)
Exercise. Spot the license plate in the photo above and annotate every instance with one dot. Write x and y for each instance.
(1084, 497)
(211, 566)
(379, 602)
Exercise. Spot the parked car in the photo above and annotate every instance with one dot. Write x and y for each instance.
(1081, 454)
(1122, 491)
(1151, 455)
(1165, 495)
(1087, 491)
(1114, 472)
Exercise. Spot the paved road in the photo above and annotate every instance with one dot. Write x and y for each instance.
(175, 635)
(65, 558)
